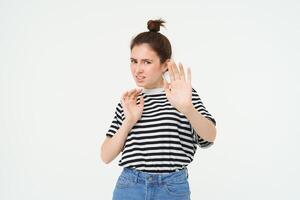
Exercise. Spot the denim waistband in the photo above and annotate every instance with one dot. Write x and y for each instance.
(137, 175)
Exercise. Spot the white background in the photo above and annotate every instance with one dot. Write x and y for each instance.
(64, 65)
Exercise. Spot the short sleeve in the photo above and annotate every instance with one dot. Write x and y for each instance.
(116, 122)
(198, 104)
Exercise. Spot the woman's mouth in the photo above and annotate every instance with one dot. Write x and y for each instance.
(140, 78)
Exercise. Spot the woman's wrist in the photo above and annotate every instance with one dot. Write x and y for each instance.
(128, 123)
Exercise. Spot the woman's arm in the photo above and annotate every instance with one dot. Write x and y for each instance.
(112, 146)
(203, 126)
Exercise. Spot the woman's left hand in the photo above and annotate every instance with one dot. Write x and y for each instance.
(179, 91)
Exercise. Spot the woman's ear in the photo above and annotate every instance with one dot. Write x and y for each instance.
(165, 66)
(168, 60)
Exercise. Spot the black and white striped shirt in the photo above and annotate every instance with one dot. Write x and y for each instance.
(162, 140)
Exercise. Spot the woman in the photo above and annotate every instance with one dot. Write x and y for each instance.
(158, 126)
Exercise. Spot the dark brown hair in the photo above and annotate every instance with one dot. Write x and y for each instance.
(157, 41)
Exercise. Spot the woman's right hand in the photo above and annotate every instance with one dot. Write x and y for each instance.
(132, 110)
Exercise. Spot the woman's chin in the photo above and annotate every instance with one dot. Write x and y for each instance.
(140, 84)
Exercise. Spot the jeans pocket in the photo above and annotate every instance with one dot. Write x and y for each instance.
(178, 188)
(125, 181)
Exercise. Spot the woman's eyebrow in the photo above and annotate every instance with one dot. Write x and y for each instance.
(142, 59)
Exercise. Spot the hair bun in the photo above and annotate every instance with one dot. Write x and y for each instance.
(154, 25)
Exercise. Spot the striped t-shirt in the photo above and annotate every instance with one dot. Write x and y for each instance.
(163, 139)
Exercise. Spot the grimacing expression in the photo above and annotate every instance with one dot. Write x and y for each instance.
(146, 68)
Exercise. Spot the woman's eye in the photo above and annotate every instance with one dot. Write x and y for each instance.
(146, 62)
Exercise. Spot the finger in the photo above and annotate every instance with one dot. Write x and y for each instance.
(182, 73)
(136, 93)
(176, 72)
(124, 97)
(131, 94)
(166, 86)
(124, 94)
(189, 75)
(170, 69)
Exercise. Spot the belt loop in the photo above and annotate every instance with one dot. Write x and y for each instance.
(159, 179)
(136, 176)
(187, 172)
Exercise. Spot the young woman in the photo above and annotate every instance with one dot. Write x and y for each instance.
(158, 126)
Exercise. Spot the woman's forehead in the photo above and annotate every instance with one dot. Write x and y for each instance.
(143, 51)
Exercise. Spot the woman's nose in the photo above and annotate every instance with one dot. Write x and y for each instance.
(139, 68)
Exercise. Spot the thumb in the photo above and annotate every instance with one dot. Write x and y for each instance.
(166, 87)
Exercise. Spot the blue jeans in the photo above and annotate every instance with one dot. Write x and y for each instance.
(133, 184)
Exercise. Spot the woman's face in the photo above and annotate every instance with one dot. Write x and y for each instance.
(146, 68)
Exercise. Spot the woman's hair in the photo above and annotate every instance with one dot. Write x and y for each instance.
(157, 41)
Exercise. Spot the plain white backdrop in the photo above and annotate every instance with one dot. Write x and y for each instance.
(64, 65)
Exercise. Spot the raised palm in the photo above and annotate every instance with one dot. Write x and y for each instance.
(179, 90)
